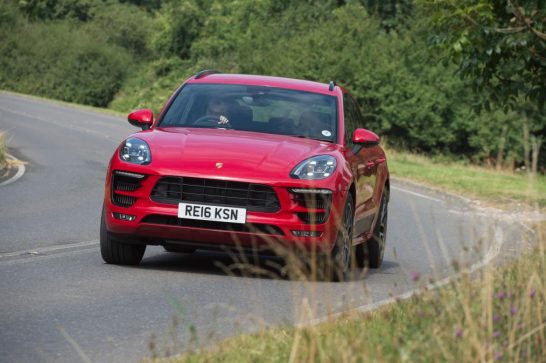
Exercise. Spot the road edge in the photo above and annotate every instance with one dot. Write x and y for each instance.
(21, 169)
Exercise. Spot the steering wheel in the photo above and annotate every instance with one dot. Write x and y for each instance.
(212, 121)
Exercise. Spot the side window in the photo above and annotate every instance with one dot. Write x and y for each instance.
(358, 116)
(350, 118)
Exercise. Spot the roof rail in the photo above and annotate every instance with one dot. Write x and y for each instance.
(332, 85)
(204, 73)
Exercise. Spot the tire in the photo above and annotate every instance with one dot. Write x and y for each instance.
(116, 252)
(340, 266)
(370, 253)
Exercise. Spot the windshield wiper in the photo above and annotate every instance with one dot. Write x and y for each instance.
(310, 137)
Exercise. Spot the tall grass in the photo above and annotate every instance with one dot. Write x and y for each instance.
(497, 314)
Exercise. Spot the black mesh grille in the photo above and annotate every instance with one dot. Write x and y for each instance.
(124, 183)
(312, 201)
(235, 227)
(254, 197)
(123, 200)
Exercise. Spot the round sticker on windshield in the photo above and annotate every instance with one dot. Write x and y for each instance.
(326, 133)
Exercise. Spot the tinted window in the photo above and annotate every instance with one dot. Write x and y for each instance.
(254, 108)
(351, 120)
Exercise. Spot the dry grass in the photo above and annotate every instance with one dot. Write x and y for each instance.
(497, 314)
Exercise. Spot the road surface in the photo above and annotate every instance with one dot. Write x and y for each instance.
(60, 302)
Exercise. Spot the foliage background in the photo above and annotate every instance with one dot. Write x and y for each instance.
(133, 53)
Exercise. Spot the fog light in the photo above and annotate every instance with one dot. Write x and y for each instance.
(307, 233)
(124, 217)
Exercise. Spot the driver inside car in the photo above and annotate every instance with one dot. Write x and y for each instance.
(218, 109)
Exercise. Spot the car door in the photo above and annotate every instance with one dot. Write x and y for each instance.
(364, 164)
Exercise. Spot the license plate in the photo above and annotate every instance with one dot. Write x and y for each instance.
(211, 213)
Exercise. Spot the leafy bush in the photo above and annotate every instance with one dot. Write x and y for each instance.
(58, 60)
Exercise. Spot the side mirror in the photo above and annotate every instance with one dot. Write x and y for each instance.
(141, 118)
(365, 137)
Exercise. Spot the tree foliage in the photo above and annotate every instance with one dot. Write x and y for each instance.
(134, 53)
(499, 45)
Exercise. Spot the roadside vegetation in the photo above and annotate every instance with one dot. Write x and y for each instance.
(494, 315)
(402, 60)
(500, 188)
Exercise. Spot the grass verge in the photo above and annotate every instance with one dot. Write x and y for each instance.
(492, 186)
(497, 314)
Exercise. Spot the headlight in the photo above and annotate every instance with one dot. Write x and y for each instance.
(317, 167)
(135, 151)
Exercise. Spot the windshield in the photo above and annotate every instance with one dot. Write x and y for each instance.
(254, 108)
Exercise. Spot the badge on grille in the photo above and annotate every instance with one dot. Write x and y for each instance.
(219, 165)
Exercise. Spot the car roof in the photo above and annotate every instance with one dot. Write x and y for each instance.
(267, 81)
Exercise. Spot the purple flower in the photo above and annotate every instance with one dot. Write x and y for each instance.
(521, 325)
(498, 356)
(459, 333)
(496, 334)
(501, 295)
(513, 310)
(496, 317)
(415, 276)
(532, 293)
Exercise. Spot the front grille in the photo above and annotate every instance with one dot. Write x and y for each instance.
(234, 227)
(313, 218)
(253, 197)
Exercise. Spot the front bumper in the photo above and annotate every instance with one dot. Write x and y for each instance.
(151, 222)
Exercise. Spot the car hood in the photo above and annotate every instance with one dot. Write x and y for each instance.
(242, 154)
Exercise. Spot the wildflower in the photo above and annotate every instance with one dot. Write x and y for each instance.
(496, 317)
(459, 333)
(415, 276)
(496, 334)
(532, 293)
(501, 295)
(498, 356)
(513, 310)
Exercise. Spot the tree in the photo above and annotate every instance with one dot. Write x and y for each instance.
(500, 46)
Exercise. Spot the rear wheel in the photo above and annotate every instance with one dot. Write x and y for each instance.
(370, 253)
(115, 250)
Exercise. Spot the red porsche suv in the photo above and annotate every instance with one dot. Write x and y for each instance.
(249, 162)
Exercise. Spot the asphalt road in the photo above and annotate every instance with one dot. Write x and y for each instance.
(60, 302)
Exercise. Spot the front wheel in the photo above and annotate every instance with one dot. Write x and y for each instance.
(116, 252)
(341, 260)
(370, 253)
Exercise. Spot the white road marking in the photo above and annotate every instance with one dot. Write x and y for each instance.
(417, 194)
(20, 171)
(492, 253)
(45, 250)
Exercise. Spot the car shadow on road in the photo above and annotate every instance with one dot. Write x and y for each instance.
(243, 266)
(217, 263)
